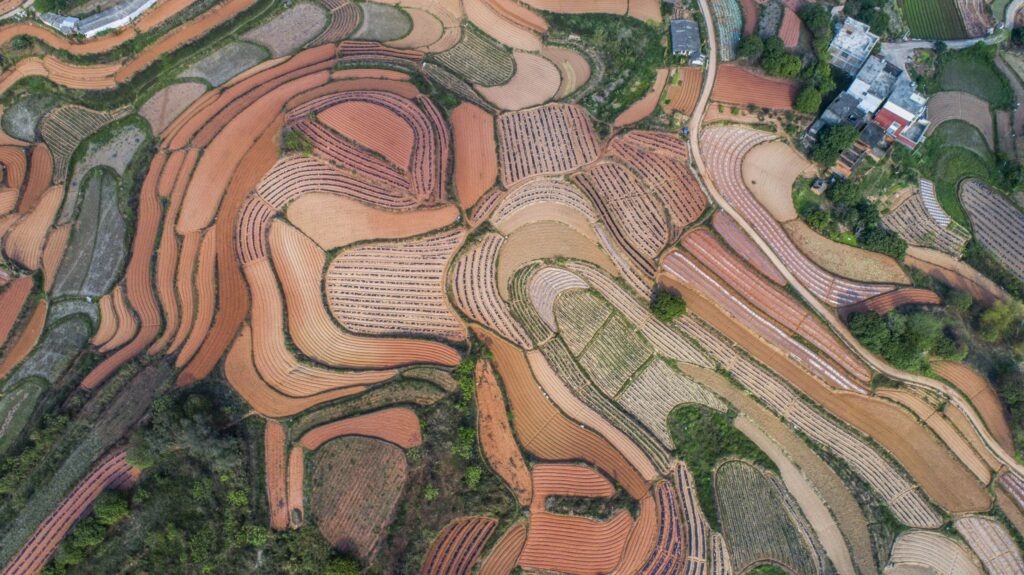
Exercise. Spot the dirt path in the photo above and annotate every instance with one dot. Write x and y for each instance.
(810, 503)
(1018, 93)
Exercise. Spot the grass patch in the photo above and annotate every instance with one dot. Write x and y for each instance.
(702, 438)
(973, 70)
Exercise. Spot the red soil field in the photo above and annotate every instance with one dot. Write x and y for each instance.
(668, 554)
(502, 25)
(274, 447)
(372, 126)
(883, 304)
(21, 347)
(12, 300)
(15, 165)
(981, 393)
(244, 379)
(476, 160)
(126, 325)
(945, 480)
(543, 430)
(496, 439)
(207, 298)
(725, 148)
(231, 311)
(113, 472)
(661, 161)
(577, 545)
(53, 253)
(642, 538)
(536, 81)
(25, 241)
(185, 286)
(108, 321)
(789, 31)
(737, 85)
(316, 215)
(683, 96)
(223, 154)
(458, 545)
(504, 555)
(296, 484)
(355, 486)
(750, 11)
(567, 479)
(40, 174)
(274, 360)
(551, 139)
(741, 243)
(398, 425)
(519, 15)
(644, 106)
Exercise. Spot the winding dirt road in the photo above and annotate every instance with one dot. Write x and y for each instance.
(827, 313)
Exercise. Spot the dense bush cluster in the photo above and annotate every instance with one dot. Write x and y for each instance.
(848, 213)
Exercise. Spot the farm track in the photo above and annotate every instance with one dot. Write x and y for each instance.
(274, 449)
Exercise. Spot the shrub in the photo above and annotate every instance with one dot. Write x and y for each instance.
(808, 101)
(832, 141)
(750, 48)
(667, 306)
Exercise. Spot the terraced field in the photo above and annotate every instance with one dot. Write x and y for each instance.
(456, 313)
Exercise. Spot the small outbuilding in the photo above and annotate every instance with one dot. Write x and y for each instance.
(686, 39)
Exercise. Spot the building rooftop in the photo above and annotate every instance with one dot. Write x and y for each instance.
(905, 95)
(852, 45)
(685, 37)
(876, 78)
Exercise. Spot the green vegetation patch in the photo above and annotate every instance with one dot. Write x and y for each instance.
(632, 51)
(579, 315)
(667, 306)
(98, 246)
(933, 19)
(382, 23)
(963, 134)
(973, 70)
(16, 407)
(702, 438)
(615, 353)
(226, 63)
(478, 59)
(755, 521)
(908, 340)
(945, 162)
(20, 120)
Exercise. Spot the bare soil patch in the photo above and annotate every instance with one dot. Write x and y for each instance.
(843, 260)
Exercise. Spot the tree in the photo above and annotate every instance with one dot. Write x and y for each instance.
(1001, 323)
(781, 64)
(750, 48)
(667, 306)
(832, 141)
(870, 329)
(817, 19)
(808, 101)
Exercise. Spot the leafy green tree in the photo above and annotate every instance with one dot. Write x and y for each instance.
(808, 100)
(870, 329)
(473, 475)
(817, 19)
(110, 508)
(1002, 322)
(781, 64)
(667, 306)
(342, 567)
(960, 301)
(750, 47)
(832, 141)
